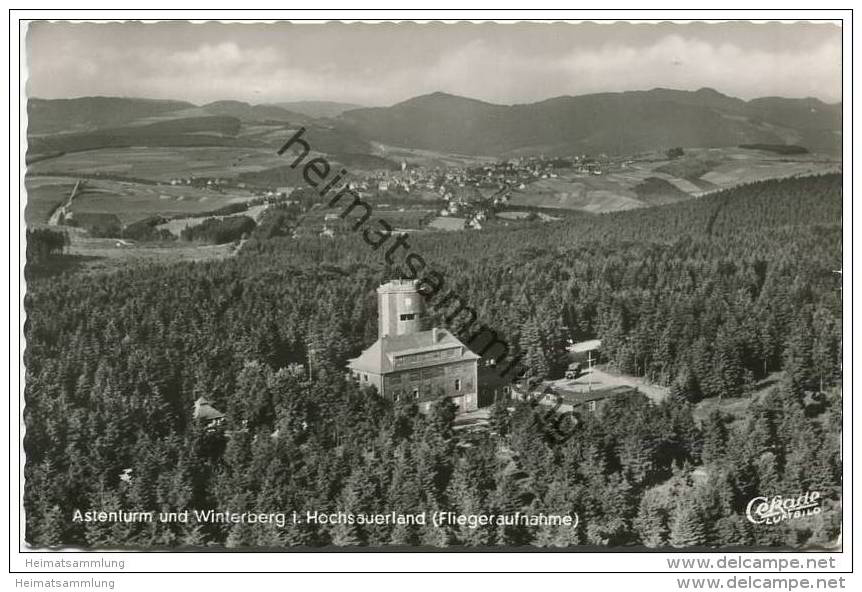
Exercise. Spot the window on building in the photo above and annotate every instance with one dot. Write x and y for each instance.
(365, 377)
(408, 317)
(416, 393)
(591, 405)
(457, 384)
(396, 396)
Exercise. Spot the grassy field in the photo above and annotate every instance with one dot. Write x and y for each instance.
(163, 163)
(90, 255)
(699, 171)
(428, 158)
(129, 201)
(102, 254)
(44, 194)
(515, 215)
(402, 219)
(177, 225)
(719, 168)
(733, 173)
(594, 194)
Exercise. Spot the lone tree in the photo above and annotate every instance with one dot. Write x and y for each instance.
(499, 418)
(687, 529)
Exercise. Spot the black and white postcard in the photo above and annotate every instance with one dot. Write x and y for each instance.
(424, 285)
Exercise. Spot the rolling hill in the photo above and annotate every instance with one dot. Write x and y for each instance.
(194, 131)
(613, 123)
(63, 126)
(318, 109)
(89, 114)
(247, 112)
(92, 113)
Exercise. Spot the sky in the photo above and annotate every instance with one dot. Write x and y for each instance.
(376, 64)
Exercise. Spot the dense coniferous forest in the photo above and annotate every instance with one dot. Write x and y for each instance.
(709, 297)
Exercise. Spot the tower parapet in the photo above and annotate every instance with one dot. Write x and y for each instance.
(400, 308)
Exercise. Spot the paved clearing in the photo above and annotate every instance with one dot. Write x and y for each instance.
(600, 378)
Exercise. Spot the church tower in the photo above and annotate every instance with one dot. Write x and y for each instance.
(400, 308)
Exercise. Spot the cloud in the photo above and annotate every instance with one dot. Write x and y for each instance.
(673, 61)
(376, 65)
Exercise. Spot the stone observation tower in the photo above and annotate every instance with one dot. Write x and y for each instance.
(400, 308)
(409, 363)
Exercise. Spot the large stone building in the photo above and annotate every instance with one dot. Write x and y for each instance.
(409, 363)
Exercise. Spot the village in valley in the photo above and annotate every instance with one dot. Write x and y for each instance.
(416, 195)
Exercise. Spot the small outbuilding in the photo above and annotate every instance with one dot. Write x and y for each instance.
(207, 414)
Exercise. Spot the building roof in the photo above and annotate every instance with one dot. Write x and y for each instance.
(585, 346)
(578, 398)
(398, 285)
(379, 358)
(205, 411)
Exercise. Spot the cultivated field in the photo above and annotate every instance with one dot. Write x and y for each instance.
(740, 171)
(699, 171)
(719, 168)
(130, 202)
(428, 158)
(163, 163)
(594, 194)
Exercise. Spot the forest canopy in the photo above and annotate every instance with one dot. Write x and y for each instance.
(708, 297)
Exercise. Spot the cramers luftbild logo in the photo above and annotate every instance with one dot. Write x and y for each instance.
(764, 510)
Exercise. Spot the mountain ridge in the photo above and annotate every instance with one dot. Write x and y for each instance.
(609, 122)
